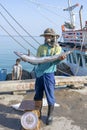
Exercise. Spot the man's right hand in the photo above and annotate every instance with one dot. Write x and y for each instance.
(62, 57)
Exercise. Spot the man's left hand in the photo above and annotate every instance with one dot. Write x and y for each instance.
(62, 57)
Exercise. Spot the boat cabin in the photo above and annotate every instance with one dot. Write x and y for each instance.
(77, 37)
(77, 60)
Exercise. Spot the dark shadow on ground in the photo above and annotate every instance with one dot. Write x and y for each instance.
(10, 118)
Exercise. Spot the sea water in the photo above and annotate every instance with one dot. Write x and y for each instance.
(8, 46)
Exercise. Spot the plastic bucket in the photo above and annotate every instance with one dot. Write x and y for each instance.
(3, 74)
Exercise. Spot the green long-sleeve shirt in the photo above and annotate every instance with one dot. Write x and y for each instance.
(49, 67)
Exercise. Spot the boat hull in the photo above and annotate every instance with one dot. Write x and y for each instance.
(77, 70)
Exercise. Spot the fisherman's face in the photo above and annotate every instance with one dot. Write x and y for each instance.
(50, 39)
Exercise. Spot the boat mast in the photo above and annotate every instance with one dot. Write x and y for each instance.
(72, 18)
(72, 15)
(80, 16)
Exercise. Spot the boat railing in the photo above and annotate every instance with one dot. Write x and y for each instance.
(77, 36)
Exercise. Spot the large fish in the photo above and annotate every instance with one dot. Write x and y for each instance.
(39, 60)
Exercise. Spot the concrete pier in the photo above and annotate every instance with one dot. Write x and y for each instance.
(24, 85)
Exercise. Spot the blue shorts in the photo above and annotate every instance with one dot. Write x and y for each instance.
(45, 83)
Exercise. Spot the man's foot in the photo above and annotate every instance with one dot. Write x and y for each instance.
(50, 114)
(49, 120)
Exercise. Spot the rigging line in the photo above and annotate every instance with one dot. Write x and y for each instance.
(69, 54)
(80, 57)
(17, 31)
(55, 13)
(52, 11)
(48, 19)
(77, 68)
(19, 24)
(47, 5)
(13, 37)
(64, 72)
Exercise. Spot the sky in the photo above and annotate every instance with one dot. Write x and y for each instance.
(37, 15)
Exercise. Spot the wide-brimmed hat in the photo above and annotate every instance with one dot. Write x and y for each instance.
(49, 32)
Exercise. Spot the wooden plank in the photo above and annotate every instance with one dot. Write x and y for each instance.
(8, 86)
(19, 92)
(24, 85)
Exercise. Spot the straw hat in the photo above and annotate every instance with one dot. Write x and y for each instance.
(49, 32)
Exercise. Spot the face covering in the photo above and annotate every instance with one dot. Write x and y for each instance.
(51, 41)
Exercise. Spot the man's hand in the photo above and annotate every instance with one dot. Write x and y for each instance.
(62, 57)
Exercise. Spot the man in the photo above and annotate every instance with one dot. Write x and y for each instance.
(45, 80)
(17, 70)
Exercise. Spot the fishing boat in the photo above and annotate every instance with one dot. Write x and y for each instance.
(72, 38)
(77, 39)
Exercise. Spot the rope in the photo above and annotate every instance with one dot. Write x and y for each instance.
(48, 7)
(19, 24)
(12, 37)
(64, 72)
(48, 19)
(79, 57)
(51, 11)
(70, 50)
(44, 5)
(17, 31)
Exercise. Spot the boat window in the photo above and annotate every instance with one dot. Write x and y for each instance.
(85, 58)
(79, 60)
(69, 58)
(74, 58)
